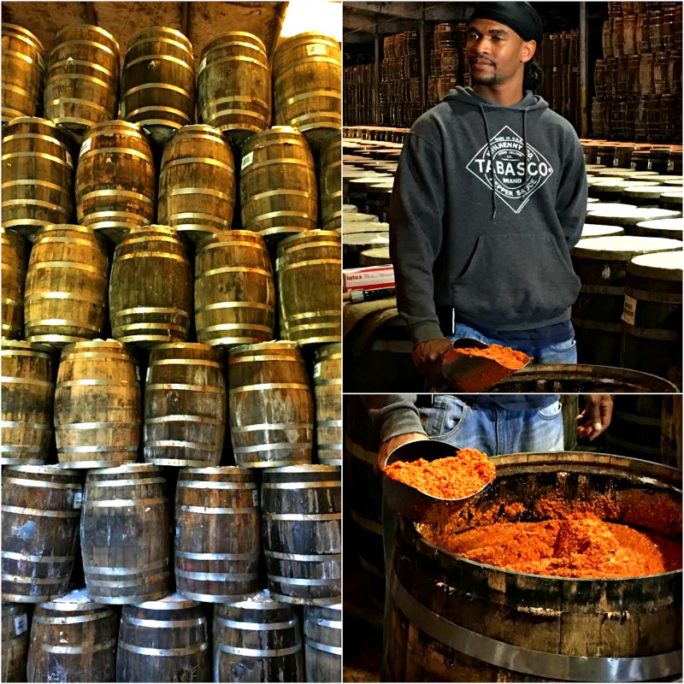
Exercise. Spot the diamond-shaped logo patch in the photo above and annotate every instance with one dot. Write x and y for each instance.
(506, 165)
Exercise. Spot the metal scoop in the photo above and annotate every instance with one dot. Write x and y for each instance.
(473, 373)
(408, 501)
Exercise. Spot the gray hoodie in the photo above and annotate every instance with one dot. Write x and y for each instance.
(491, 240)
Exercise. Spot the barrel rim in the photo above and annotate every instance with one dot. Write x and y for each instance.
(77, 599)
(9, 345)
(211, 45)
(305, 236)
(97, 343)
(218, 470)
(161, 30)
(126, 469)
(270, 345)
(90, 27)
(113, 124)
(26, 32)
(53, 469)
(302, 469)
(175, 601)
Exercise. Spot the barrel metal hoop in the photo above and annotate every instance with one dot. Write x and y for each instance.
(528, 661)
(79, 650)
(334, 650)
(165, 652)
(314, 484)
(255, 626)
(260, 652)
(300, 582)
(162, 624)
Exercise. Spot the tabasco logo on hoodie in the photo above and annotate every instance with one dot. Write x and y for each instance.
(504, 159)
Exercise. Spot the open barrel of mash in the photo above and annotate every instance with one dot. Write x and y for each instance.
(454, 619)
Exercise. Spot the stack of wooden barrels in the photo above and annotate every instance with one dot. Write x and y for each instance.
(448, 63)
(186, 353)
(638, 81)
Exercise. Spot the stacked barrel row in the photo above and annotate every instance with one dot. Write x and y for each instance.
(233, 90)
(638, 80)
(220, 337)
(448, 63)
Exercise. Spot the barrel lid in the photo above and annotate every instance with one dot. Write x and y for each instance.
(651, 191)
(126, 469)
(644, 174)
(650, 264)
(355, 218)
(355, 239)
(623, 246)
(592, 200)
(74, 600)
(363, 227)
(174, 601)
(631, 215)
(599, 230)
(350, 209)
(378, 253)
(606, 207)
(673, 224)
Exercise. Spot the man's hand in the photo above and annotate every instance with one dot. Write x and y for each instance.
(427, 356)
(389, 445)
(596, 416)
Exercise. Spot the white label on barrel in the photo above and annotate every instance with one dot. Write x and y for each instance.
(246, 160)
(317, 371)
(78, 499)
(316, 49)
(255, 497)
(20, 624)
(85, 146)
(629, 310)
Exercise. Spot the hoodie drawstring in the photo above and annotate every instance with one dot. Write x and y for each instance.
(525, 144)
(491, 161)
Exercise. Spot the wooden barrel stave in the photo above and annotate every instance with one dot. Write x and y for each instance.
(330, 179)
(270, 405)
(15, 642)
(217, 534)
(40, 512)
(267, 654)
(301, 532)
(14, 258)
(323, 643)
(234, 290)
(27, 399)
(22, 69)
(102, 428)
(73, 640)
(125, 539)
(328, 399)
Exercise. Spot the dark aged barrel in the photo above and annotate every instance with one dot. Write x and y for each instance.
(97, 405)
(14, 254)
(307, 75)
(327, 376)
(15, 641)
(125, 539)
(164, 641)
(600, 264)
(323, 643)
(115, 181)
(37, 176)
(82, 80)
(278, 183)
(270, 405)
(27, 397)
(309, 284)
(40, 510)
(73, 639)
(158, 82)
(217, 534)
(150, 289)
(453, 619)
(196, 183)
(257, 640)
(234, 290)
(22, 72)
(301, 531)
(185, 405)
(66, 286)
(330, 181)
(653, 315)
(234, 85)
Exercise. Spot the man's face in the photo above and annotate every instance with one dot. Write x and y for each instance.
(495, 52)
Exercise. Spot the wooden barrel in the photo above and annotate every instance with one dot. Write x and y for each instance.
(22, 72)
(598, 230)
(40, 510)
(377, 256)
(627, 216)
(217, 534)
(307, 77)
(66, 286)
(653, 315)
(330, 180)
(257, 640)
(234, 85)
(234, 290)
(115, 181)
(97, 405)
(125, 539)
(14, 255)
(600, 264)
(164, 641)
(323, 643)
(301, 517)
(158, 82)
(662, 228)
(196, 183)
(270, 402)
(73, 639)
(15, 642)
(27, 397)
(671, 199)
(309, 285)
(82, 82)
(327, 377)
(185, 405)
(150, 290)
(37, 176)
(453, 619)
(278, 183)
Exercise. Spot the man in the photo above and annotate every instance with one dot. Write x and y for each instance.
(489, 198)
